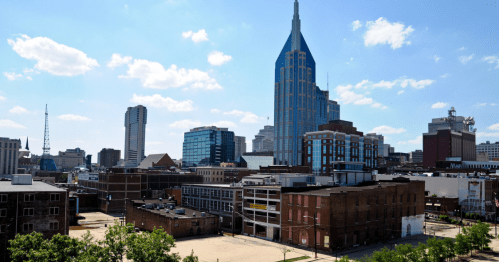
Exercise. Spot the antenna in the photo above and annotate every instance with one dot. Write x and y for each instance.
(267, 120)
(46, 140)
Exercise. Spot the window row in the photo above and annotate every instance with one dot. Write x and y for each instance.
(31, 211)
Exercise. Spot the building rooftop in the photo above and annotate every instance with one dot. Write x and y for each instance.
(332, 190)
(189, 213)
(36, 186)
(215, 185)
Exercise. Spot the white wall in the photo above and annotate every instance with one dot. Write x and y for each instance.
(416, 225)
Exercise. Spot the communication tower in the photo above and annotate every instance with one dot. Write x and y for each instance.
(47, 163)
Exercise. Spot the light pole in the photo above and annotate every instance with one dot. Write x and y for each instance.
(315, 233)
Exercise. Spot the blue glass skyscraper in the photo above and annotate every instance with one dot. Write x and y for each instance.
(299, 105)
(207, 146)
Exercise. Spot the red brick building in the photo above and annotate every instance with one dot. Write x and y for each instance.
(351, 216)
(439, 145)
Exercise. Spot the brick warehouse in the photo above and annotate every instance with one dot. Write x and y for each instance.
(146, 215)
(114, 188)
(361, 214)
(27, 206)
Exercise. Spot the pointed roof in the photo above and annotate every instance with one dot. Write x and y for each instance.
(295, 32)
(27, 146)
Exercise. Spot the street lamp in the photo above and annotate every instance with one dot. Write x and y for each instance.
(460, 224)
(315, 232)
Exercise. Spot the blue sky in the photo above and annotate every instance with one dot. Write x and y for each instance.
(393, 65)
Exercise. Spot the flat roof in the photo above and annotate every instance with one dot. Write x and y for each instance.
(36, 186)
(214, 185)
(343, 189)
(188, 212)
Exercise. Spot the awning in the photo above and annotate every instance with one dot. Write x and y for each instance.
(437, 204)
(428, 204)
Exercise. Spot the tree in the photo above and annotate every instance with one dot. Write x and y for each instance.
(484, 237)
(435, 249)
(30, 247)
(285, 250)
(191, 258)
(463, 245)
(154, 246)
(419, 254)
(343, 259)
(385, 255)
(449, 248)
(115, 242)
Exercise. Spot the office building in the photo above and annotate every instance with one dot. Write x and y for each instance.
(416, 156)
(135, 134)
(492, 150)
(221, 175)
(69, 159)
(381, 142)
(300, 106)
(333, 110)
(449, 138)
(240, 146)
(207, 146)
(264, 140)
(262, 211)
(9, 155)
(31, 206)
(338, 142)
(109, 157)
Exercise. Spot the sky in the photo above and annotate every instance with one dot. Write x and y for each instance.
(392, 66)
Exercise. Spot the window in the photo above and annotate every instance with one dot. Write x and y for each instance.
(305, 201)
(401, 199)
(414, 198)
(3, 228)
(408, 198)
(54, 211)
(393, 199)
(368, 215)
(368, 200)
(3, 212)
(318, 238)
(290, 199)
(29, 197)
(384, 213)
(3, 198)
(414, 210)
(54, 225)
(290, 217)
(299, 200)
(356, 216)
(318, 218)
(356, 201)
(299, 215)
(305, 217)
(393, 213)
(290, 233)
(377, 197)
(377, 214)
(29, 212)
(27, 227)
(385, 199)
(318, 201)
(408, 214)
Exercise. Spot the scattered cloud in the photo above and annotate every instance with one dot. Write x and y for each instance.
(385, 84)
(117, 60)
(356, 25)
(157, 101)
(153, 75)
(2, 98)
(347, 96)
(461, 49)
(218, 58)
(29, 78)
(417, 141)
(246, 117)
(82, 101)
(465, 59)
(402, 82)
(200, 36)
(445, 75)
(383, 32)
(5, 123)
(387, 130)
(493, 104)
(400, 92)
(185, 124)
(439, 105)
(12, 76)
(215, 111)
(362, 84)
(71, 117)
(485, 134)
(52, 57)
(480, 104)
(492, 60)
(154, 143)
(19, 110)
(223, 124)
(416, 84)
(436, 58)
(494, 127)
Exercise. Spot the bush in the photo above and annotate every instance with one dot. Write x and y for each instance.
(444, 218)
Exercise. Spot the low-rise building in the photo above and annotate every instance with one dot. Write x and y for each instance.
(220, 175)
(177, 221)
(262, 211)
(416, 156)
(108, 157)
(492, 150)
(441, 205)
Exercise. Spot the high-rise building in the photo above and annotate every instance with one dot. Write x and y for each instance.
(264, 140)
(416, 156)
(299, 105)
(492, 150)
(240, 146)
(207, 146)
(449, 137)
(135, 134)
(9, 155)
(109, 157)
(333, 110)
(381, 141)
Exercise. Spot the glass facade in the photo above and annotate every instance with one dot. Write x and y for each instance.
(207, 146)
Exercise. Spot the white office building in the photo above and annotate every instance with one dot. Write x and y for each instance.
(9, 155)
(135, 135)
(491, 149)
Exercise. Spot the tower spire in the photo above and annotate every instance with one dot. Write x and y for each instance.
(46, 141)
(296, 34)
(27, 146)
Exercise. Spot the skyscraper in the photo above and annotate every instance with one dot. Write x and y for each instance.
(135, 134)
(240, 146)
(207, 146)
(299, 105)
(264, 140)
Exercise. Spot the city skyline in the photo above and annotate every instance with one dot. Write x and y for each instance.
(391, 68)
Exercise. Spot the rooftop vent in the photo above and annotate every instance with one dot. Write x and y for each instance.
(193, 214)
(24, 179)
(203, 214)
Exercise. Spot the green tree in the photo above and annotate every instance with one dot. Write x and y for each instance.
(115, 242)
(284, 251)
(419, 254)
(29, 247)
(344, 259)
(449, 248)
(404, 251)
(483, 232)
(154, 246)
(385, 255)
(191, 258)
(463, 245)
(435, 249)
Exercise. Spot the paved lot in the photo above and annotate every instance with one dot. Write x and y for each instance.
(243, 248)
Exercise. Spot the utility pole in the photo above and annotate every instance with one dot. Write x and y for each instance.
(233, 227)
(315, 234)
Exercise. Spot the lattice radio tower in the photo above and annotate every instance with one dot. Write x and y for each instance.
(46, 140)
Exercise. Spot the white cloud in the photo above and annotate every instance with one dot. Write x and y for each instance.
(158, 101)
(12, 76)
(465, 59)
(347, 96)
(26, 70)
(377, 105)
(492, 60)
(417, 141)
(52, 57)
(461, 49)
(439, 105)
(493, 104)
(154, 143)
(247, 117)
(444, 75)
(223, 124)
(484, 134)
(154, 75)
(364, 101)
(18, 110)
(215, 111)
(117, 60)
(362, 84)
(200, 36)
(494, 127)
(218, 58)
(436, 58)
(387, 130)
(356, 25)
(400, 92)
(416, 84)
(82, 101)
(385, 84)
(185, 124)
(2, 98)
(5, 123)
(71, 117)
(29, 78)
(383, 32)
(480, 104)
